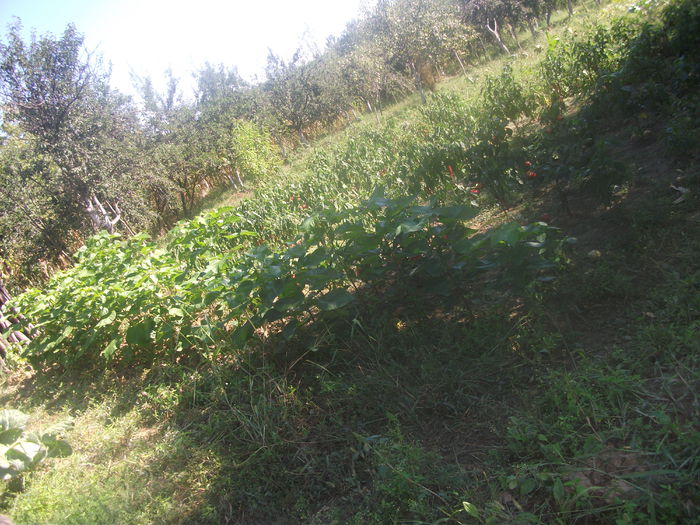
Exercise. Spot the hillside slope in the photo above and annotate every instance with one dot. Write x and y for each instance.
(407, 332)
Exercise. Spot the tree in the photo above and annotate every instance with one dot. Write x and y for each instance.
(488, 15)
(194, 146)
(223, 93)
(417, 36)
(294, 92)
(58, 99)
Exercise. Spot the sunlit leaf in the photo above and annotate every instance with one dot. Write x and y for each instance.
(108, 352)
(471, 509)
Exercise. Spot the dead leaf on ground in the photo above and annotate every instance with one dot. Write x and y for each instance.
(603, 474)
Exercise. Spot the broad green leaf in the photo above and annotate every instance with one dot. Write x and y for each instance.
(558, 490)
(295, 252)
(12, 419)
(434, 267)
(57, 428)
(7, 437)
(377, 199)
(409, 227)
(318, 278)
(241, 335)
(107, 320)
(508, 234)
(464, 247)
(308, 224)
(527, 486)
(335, 299)
(272, 315)
(316, 258)
(25, 452)
(58, 448)
(275, 270)
(176, 312)
(290, 329)
(290, 303)
(108, 352)
(349, 231)
(211, 297)
(140, 334)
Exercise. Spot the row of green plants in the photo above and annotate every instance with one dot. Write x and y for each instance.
(130, 300)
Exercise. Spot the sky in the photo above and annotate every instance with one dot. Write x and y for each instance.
(146, 37)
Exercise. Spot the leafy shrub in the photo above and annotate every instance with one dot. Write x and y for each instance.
(574, 67)
(252, 150)
(448, 117)
(506, 98)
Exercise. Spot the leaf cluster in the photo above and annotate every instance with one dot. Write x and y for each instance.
(22, 451)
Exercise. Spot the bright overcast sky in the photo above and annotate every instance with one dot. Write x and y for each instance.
(148, 36)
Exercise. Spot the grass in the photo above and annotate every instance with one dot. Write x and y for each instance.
(577, 402)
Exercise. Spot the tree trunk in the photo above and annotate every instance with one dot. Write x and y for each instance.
(419, 82)
(302, 138)
(184, 202)
(117, 213)
(494, 31)
(231, 181)
(372, 110)
(514, 35)
(4, 294)
(570, 7)
(483, 47)
(459, 60)
(280, 144)
(531, 26)
(99, 216)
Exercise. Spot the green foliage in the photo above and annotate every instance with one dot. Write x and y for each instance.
(116, 286)
(129, 300)
(504, 97)
(576, 67)
(402, 476)
(69, 139)
(22, 451)
(264, 335)
(251, 151)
